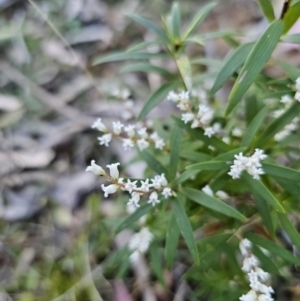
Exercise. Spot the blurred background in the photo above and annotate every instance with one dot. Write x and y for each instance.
(56, 239)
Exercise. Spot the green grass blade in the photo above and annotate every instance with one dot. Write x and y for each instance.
(281, 172)
(267, 9)
(141, 211)
(175, 150)
(260, 189)
(172, 238)
(197, 20)
(156, 97)
(234, 61)
(185, 227)
(254, 126)
(255, 62)
(212, 203)
(278, 124)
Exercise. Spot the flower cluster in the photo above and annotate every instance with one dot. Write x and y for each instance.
(200, 119)
(259, 291)
(139, 243)
(158, 184)
(251, 164)
(134, 135)
(222, 195)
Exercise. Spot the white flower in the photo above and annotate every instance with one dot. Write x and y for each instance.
(145, 185)
(113, 170)
(245, 246)
(153, 198)
(99, 125)
(249, 263)
(264, 276)
(222, 195)
(134, 257)
(207, 190)
(278, 113)
(182, 106)
(264, 297)
(127, 144)
(167, 191)
(130, 186)
(142, 144)
(259, 154)
(237, 132)
(130, 208)
(109, 189)
(159, 181)
(141, 240)
(117, 127)
(287, 100)
(134, 200)
(105, 139)
(251, 296)
(253, 278)
(226, 140)
(184, 96)
(297, 86)
(209, 132)
(129, 129)
(187, 117)
(195, 124)
(96, 169)
(205, 114)
(172, 96)
(267, 290)
(159, 143)
(143, 132)
(297, 96)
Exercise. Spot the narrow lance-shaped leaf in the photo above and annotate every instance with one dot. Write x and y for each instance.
(254, 126)
(185, 227)
(291, 17)
(264, 212)
(234, 61)
(171, 241)
(267, 9)
(185, 70)
(184, 176)
(155, 98)
(290, 229)
(292, 38)
(255, 62)
(278, 124)
(148, 68)
(212, 203)
(152, 162)
(273, 248)
(156, 263)
(149, 26)
(260, 189)
(176, 21)
(281, 172)
(292, 72)
(291, 187)
(175, 150)
(197, 20)
(134, 217)
(209, 165)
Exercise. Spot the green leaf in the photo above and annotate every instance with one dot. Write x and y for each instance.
(185, 227)
(194, 156)
(9, 32)
(122, 56)
(175, 150)
(209, 165)
(291, 187)
(152, 162)
(228, 156)
(185, 70)
(292, 38)
(294, 2)
(149, 26)
(278, 124)
(205, 61)
(176, 21)
(254, 126)
(291, 17)
(212, 35)
(212, 203)
(290, 229)
(184, 176)
(293, 72)
(281, 172)
(260, 189)
(255, 62)
(141, 211)
(273, 248)
(148, 68)
(142, 45)
(156, 263)
(197, 20)
(172, 238)
(234, 61)
(156, 97)
(267, 9)
(264, 212)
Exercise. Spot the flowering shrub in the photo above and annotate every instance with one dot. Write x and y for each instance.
(222, 174)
